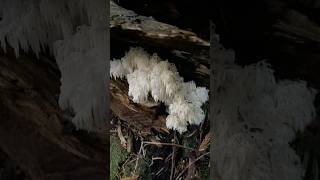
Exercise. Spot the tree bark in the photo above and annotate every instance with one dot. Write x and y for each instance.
(33, 132)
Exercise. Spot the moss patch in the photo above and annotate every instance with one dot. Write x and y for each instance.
(118, 155)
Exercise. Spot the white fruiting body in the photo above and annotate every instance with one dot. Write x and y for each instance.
(150, 75)
(256, 118)
(75, 32)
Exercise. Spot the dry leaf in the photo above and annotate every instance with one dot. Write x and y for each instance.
(123, 141)
(205, 142)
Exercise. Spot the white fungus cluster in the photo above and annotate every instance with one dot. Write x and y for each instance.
(150, 75)
(75, 32)
(256, 118)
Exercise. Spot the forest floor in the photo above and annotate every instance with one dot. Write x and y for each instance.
(147, 151)
(159, 155)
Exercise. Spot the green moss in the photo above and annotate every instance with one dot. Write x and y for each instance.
(117, 156)
(204, 169)
(143, 169)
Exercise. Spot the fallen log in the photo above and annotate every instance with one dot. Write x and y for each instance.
(128, 26)
(184, 48)
(142, 117)
(33, 131)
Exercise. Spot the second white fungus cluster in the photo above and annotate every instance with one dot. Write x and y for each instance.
(150, 75)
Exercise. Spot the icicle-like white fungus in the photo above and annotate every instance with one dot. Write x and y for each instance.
(83, 87)
(256, 118)
(149, 75)
(75, 32)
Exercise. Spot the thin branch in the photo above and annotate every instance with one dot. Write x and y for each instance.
(138, 157)
(168, 144)
(191, 164)
(173, 162)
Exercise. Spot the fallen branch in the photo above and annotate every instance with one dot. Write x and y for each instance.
(190, 164)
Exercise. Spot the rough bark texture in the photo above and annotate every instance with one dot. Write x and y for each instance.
(189, 52)
(129, 26)
(35, 133)
(142, 117)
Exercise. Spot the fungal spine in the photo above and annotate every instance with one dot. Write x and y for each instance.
(150, 75)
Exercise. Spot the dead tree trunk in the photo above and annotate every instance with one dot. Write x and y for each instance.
(35, 133)
(189, 52)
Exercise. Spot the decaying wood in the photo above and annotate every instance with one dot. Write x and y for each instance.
(32, 131)
(129, 26)
(299, 26)
(139, 116)
(186, 48)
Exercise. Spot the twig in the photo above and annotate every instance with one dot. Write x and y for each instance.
(168, 144)
(191, 134)
(138, 157)
(154, 158)
(191, 164)
(201, 131)
(159, 171)
(168, 158)
(173, 162)
(143, 143)
(127, 162)
(121, 137)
